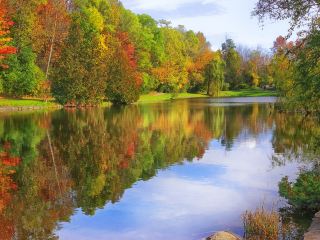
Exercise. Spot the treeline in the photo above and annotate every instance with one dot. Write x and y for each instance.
(84, 52)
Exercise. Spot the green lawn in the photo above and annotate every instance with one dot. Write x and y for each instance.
(159, 97)
(4, 102)
(249, 93)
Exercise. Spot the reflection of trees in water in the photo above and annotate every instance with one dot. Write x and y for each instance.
(297, 138)
(99, 153)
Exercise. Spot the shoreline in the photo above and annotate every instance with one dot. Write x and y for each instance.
(15, 105)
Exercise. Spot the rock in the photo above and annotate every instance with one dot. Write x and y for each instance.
(224, 236)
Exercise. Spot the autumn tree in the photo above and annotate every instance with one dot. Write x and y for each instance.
(5, 40)
(123, 81)
(24, 76)
(302, 92)
(79, 77)
(51, 30)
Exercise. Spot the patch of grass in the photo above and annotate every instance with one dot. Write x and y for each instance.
(5, 102)
(249, 93)
(261, 224)
(160, 97)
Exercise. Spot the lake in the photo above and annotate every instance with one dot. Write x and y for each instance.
(174, 170)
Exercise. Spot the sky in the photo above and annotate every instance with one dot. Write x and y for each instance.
(217, 19)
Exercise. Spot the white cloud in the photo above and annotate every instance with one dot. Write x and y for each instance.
(230, 18)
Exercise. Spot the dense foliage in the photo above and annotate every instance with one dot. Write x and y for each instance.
(298, 61)
(84, 52)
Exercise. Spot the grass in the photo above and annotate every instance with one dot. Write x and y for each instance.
(249, 93)
(6, 102)
(261, 224)
(159, 97)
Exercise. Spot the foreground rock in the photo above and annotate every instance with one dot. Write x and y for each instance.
(224, 236)
(314, 230)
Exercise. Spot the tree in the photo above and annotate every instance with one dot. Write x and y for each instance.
(5, 25)
(123, 81)
(51, 31)
(214, 75)
(299, 12)
(79, 77)
(233, 63)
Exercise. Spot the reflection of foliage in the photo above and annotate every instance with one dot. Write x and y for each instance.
(296, 222)
(296, 138)
(99, 153)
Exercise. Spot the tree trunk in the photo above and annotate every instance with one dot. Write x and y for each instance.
(51, 45)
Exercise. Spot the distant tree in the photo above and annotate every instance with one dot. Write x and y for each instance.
(214, 75)
(233, 63)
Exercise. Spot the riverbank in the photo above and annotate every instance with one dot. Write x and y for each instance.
(314, 230)
(7, 104)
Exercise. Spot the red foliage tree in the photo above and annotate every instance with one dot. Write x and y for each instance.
(5, 25)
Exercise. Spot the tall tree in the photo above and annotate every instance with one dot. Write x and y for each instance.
(79, 77)
(123, 81)
(51, 30)
(214, 75)
(233, 63)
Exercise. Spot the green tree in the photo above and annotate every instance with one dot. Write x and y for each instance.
(79, 77)
(214, 75)
(233, 63)
(24, 76)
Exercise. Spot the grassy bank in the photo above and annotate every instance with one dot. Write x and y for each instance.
(249, 93)
(159, 97)
(17, 103)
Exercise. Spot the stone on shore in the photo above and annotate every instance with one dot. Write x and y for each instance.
(223, 236)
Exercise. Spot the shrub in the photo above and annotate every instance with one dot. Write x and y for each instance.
(304, 193)
(261, 224)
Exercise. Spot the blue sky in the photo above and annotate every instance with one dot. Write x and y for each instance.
(217, 19)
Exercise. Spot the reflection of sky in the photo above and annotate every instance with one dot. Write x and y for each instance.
(190, 201)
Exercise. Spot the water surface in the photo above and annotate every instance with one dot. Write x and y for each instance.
(174, 170)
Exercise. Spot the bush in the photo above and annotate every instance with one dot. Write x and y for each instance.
(304, 193)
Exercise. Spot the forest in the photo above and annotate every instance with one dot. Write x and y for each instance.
(82, 53)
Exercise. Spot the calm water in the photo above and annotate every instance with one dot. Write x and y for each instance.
(175, 170)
